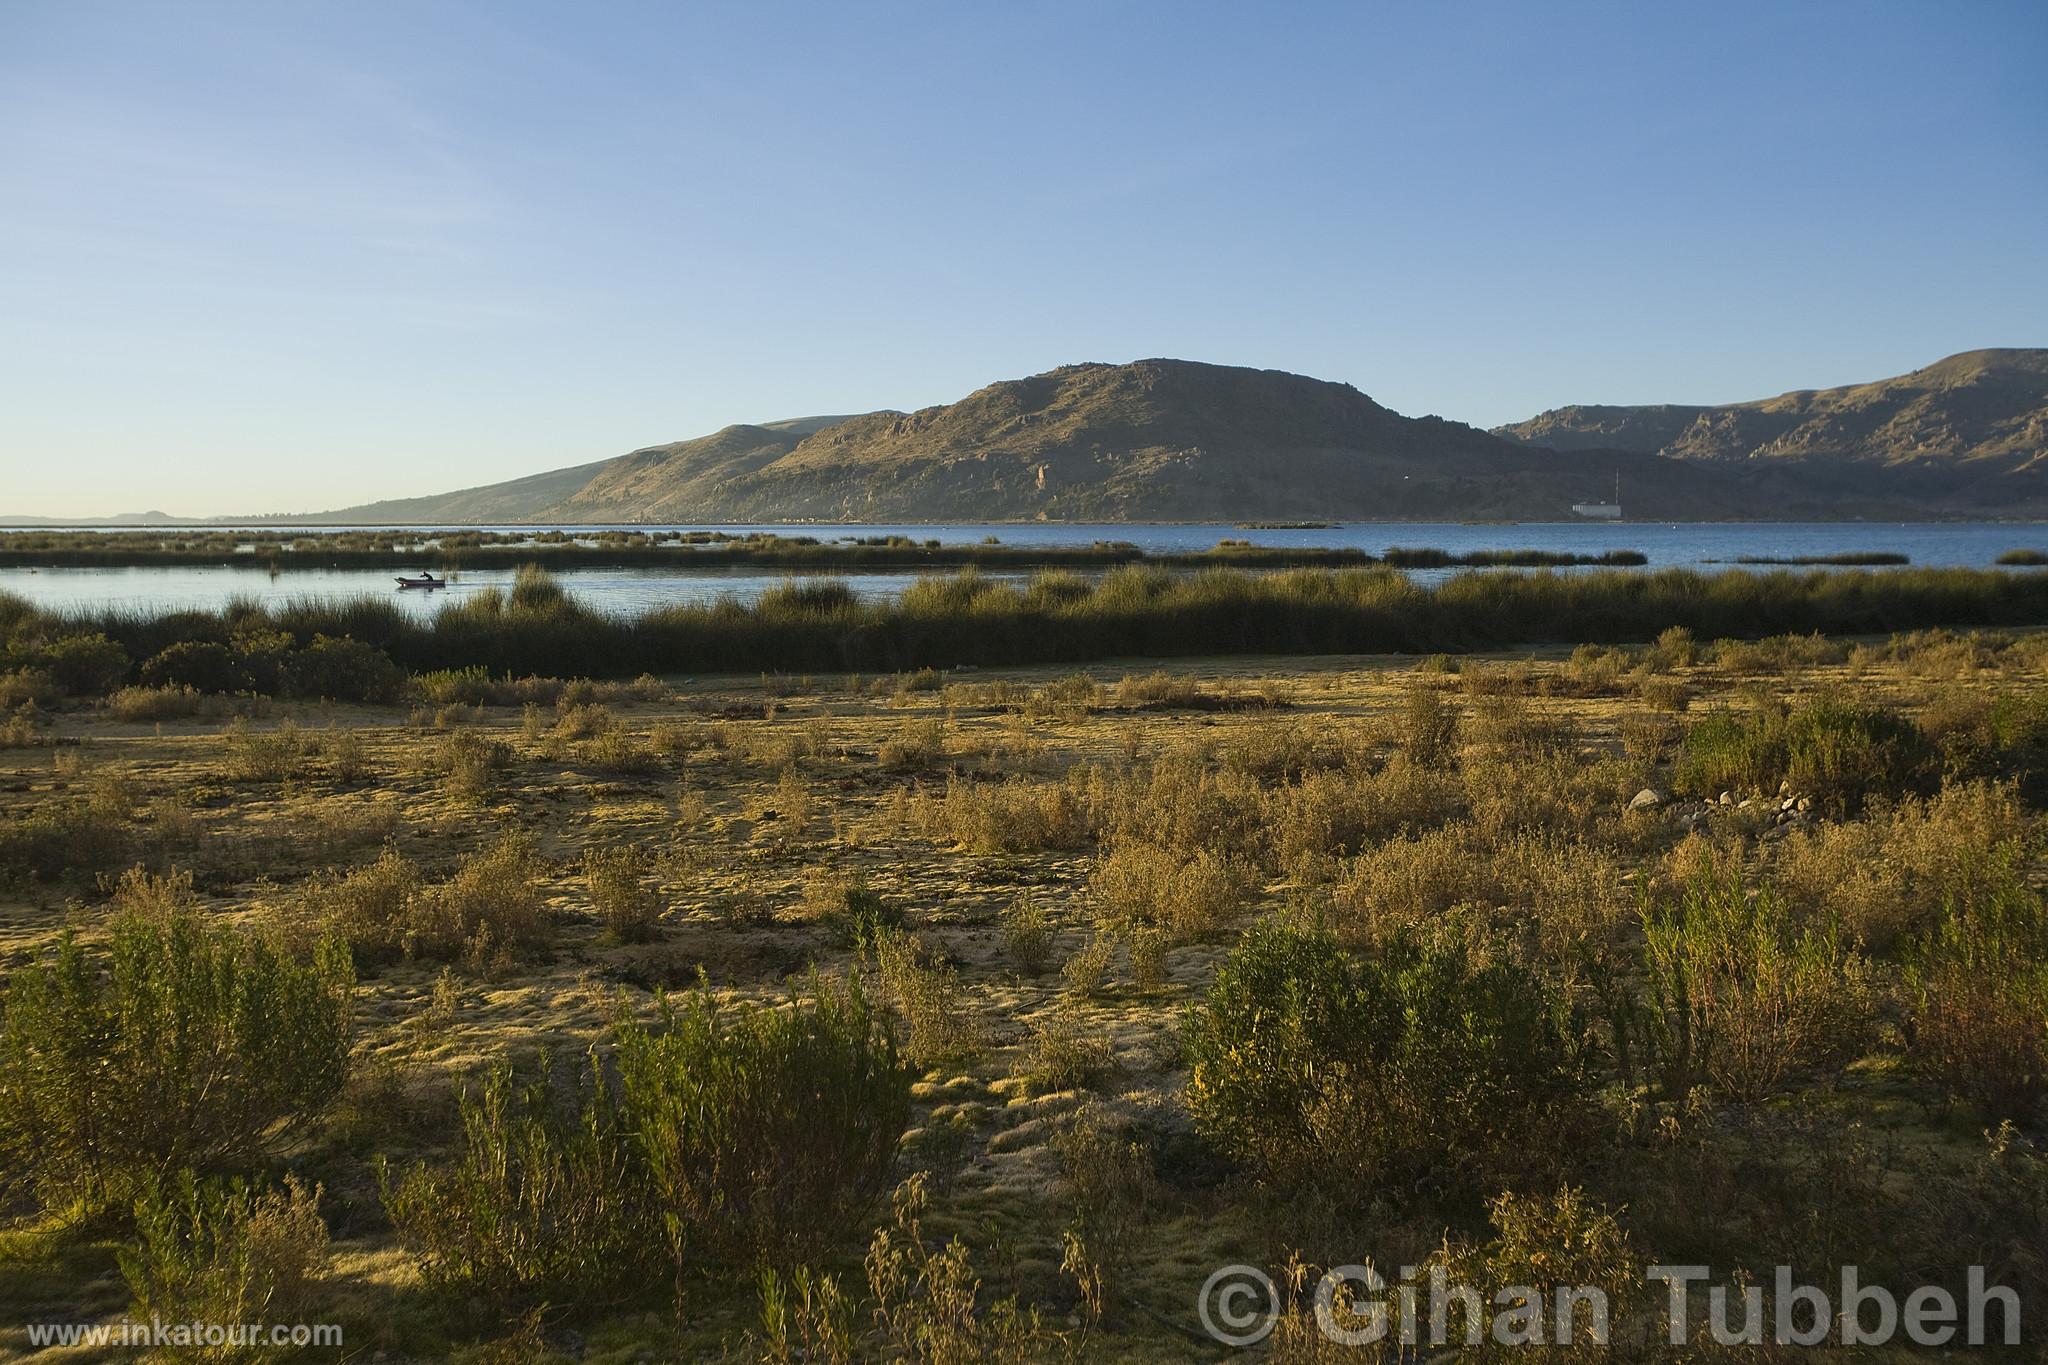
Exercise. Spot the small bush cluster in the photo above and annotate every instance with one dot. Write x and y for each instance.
(182, 1046)
(1309, 1064)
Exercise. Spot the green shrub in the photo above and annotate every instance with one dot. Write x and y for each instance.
(227, 1253)
(343, 670)
(86, 665)
(768, 1133)
(201, 665)
(546, 1196)
(1836, 750)
(183, 1045)
(1393, 1070)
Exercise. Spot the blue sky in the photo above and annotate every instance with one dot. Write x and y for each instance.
(274, 257)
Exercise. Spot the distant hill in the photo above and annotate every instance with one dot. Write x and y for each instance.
(1177, 440)
(1167, 440)
(1968, 434)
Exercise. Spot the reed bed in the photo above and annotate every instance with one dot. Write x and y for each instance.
(822, 625)
(266, 551)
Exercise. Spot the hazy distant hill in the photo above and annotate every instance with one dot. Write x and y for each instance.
(558, 493)
(1967, 434)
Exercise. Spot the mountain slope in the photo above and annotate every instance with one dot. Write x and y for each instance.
(1176, 440)
(537, 496)
(1966, 433)
(1155, 439)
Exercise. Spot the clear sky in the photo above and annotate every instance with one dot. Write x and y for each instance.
(291, 256)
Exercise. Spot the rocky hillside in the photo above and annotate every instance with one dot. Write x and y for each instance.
(1166, 440)
(1173, 440)
(1967, 434)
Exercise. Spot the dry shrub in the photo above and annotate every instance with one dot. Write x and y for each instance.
(850, 911)
(1087, 966)
(335, 827)
(1890, 875)
(1189, 896)
(1028, 935)
(1649, 738)
(1546, 1244)
(275, 756)
(925, 991)
(676, 740)
(1980, 1005)
(790, 807)
(1594, 671)
(1336, 812)
(1553, 790)
(1776, 655)
(1147, 953)
(1065, 1052)
(470, 762)
(1425, 729)
(581, 720)
(619, 892)
(1404, 883)
(489, 908)
(1015, 816)
(368, 907)
(1503, 725)
(1159, 688)
(1572, 890)
(210, 1251)
(23, 728)
(616, 751)
(1697, 858)
(915, 746)
(1184, 803)
(175, 702)
(26, 686)
(1675, 648)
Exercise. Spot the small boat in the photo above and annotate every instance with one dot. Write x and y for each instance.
(425, 580)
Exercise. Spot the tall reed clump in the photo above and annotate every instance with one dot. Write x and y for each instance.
(1978, 987)
(1384, 1074)
(1742, 997)
(767, 1134)
(544, 1197)
(182, 1045)
(724, 1139)
(226, 1252)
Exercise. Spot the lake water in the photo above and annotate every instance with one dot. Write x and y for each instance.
(629, 590)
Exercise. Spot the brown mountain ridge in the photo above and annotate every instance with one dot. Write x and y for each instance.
(1177, 440)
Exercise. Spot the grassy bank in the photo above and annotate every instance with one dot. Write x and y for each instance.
(821, 625)
(266, 551)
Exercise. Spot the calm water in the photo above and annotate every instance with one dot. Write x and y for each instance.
(628, 590)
